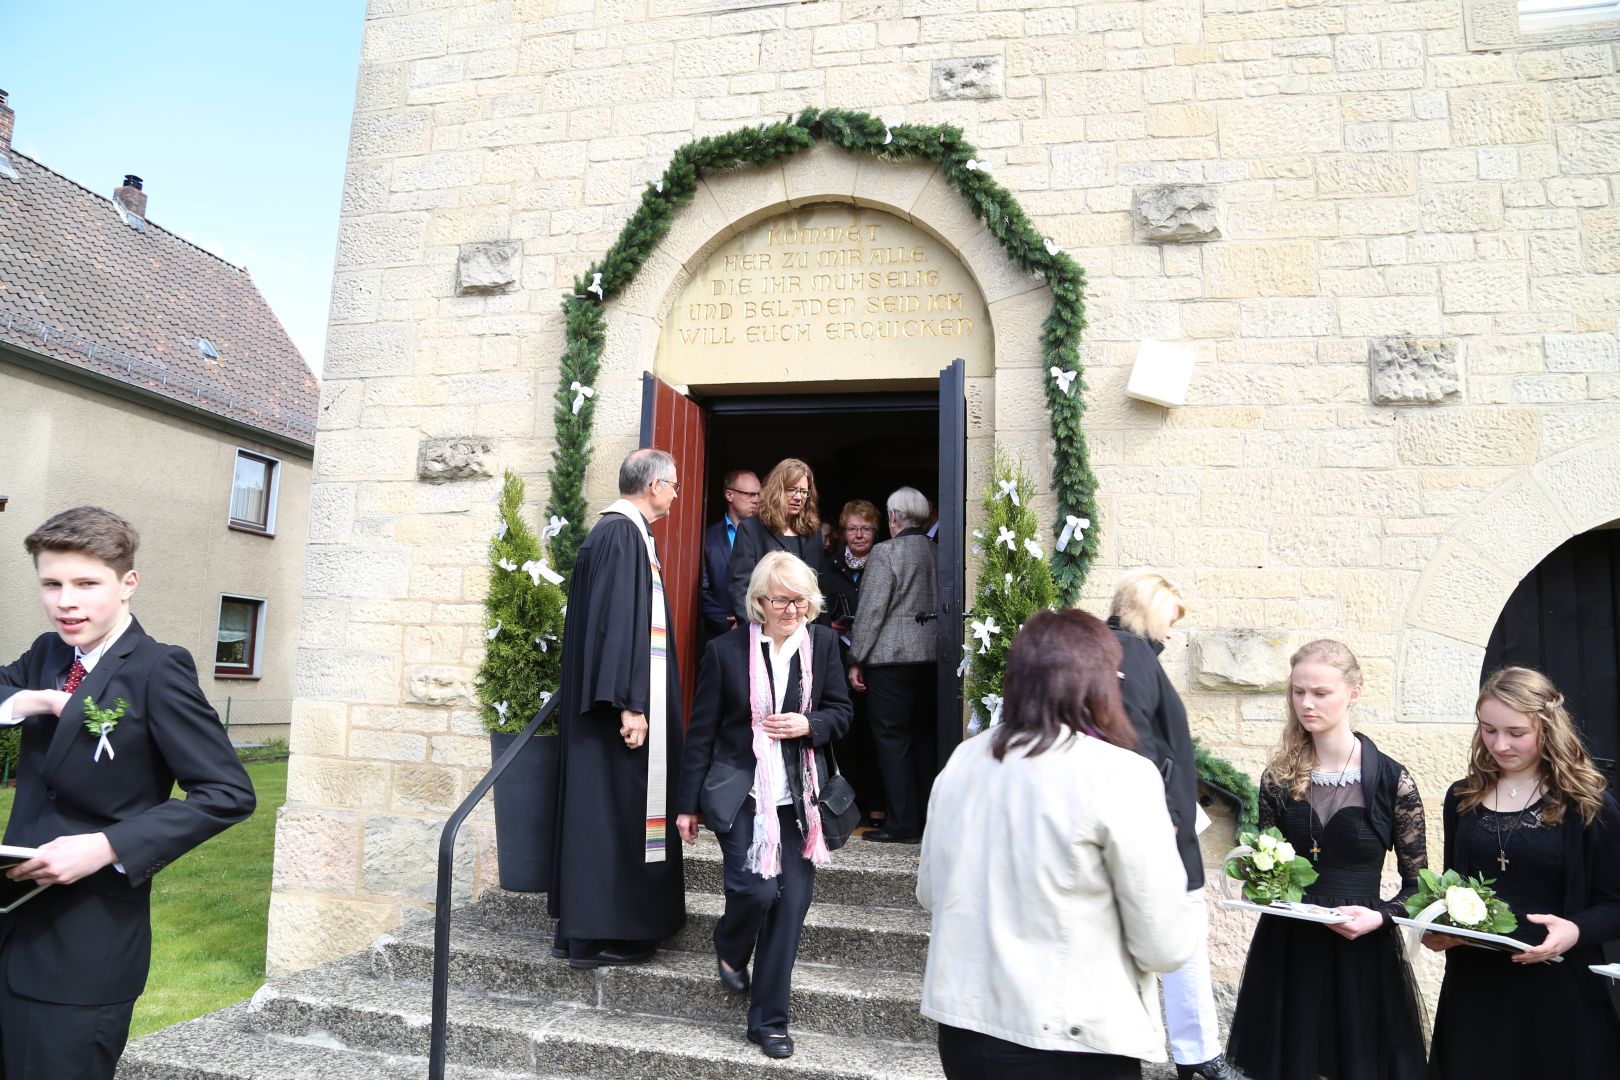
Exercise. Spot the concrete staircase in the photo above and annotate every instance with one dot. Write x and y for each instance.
(514, 1012)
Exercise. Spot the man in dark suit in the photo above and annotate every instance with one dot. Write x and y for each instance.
(742, 501)
(111, 721)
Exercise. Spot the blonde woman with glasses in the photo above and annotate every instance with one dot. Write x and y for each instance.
(787, 521)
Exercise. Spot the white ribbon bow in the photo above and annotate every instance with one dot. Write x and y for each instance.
(500, 708)
(660, 187)
(1008, 537)
(507, 564)
(967, 658)
(103, 744)
(596, 287)
(1009, 490)
(1006, 582)
(581, 392)
(983, 630)
(1074, 528)
(500, 530)
(973, 165)
(1034, 548)
(541, 641)
(489, 635)
(993, 703)
(1051, 246)
(1065, 379)
(545, 696)
(553, 527)
(888, 136)
(537, 569)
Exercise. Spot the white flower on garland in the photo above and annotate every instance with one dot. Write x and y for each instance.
(1006, 536)
(983, 630)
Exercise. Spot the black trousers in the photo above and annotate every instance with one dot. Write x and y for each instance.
(857, 757)
(764, 916)
(970, 1055)
(42, 1040)
(901, 704)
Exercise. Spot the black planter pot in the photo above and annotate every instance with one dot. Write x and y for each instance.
(526, 812)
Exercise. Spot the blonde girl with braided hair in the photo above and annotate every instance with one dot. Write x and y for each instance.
(1335, 1000)
(1534, 817)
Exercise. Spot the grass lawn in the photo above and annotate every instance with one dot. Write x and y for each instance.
(209, 911)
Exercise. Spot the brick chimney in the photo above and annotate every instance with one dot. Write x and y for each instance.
(131, 197)
(8, 120)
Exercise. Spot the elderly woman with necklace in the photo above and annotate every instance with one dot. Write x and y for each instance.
(1534, 816)
(770, 698)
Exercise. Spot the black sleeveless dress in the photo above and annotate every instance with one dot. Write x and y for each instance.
(1313, 1004)
(1528, 1021)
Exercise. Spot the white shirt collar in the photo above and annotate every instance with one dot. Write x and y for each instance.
(93, 657)
(782, 661)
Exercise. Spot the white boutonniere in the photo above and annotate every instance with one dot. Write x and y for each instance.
(101, 722)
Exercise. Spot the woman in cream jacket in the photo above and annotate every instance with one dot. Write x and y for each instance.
(1050, 868)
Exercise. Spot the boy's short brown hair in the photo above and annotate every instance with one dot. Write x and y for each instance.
(90, 530)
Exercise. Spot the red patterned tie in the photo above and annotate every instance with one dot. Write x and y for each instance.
(76, 675)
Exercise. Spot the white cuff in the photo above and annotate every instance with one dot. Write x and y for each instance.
(6, 718)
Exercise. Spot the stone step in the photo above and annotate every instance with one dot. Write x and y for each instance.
(889, 939)
(215, 1049)
(879, 1004)
(862, 874)
(490, 1031)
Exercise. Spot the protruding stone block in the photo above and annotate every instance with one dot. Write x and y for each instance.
(460, 457)
(1249, 660)
(489, 266)
(440, 686)
(1175, 214)
(1408, 371)
(966, 78)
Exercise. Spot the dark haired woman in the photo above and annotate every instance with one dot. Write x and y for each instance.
(787, 521)
(1533, 814)
(1050, 867)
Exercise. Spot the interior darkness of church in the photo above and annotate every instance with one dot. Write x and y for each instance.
(861, 446)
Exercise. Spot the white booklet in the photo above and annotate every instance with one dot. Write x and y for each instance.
(1289, 909)
(14, 893)
(1477, 938)
(1611, 970)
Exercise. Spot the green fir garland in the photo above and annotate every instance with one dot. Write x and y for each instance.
(858, 133)
(1231, 781)
(522, 623)
(1014, 583)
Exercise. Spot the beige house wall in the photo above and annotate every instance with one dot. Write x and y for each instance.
(69, 445)
(1374, 177)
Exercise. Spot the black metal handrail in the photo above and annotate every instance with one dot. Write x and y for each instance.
(447, 871)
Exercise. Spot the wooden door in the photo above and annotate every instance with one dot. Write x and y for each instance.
(952, 552)
(1564, 620)
(672, 422)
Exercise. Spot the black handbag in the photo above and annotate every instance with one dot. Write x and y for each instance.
(836, 804)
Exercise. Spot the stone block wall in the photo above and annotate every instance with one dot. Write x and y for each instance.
(1389, 230)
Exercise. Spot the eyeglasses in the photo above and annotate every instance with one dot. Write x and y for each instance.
(803, 493)
(858, 530)
(745, 494)
(782, 603)
(674, 485)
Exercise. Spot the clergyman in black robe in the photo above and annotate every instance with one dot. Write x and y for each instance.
(617, 885)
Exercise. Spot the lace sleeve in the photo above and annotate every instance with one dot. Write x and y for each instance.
(1411, 843)
(1272, 802)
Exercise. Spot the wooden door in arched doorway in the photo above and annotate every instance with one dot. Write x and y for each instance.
(1564, 620)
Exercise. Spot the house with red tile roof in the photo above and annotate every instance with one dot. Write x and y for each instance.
(146, 374)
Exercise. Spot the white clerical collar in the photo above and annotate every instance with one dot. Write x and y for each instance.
(629, 510)
(93, 657)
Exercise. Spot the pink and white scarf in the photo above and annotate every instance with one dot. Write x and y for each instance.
(765, 852)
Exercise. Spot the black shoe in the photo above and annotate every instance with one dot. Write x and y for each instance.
(734, 981)
(884, 836)
(559, 952)
(612, 956)
(774, 1044)
(1216, 1068)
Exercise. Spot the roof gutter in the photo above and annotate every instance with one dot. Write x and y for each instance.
(139, 395)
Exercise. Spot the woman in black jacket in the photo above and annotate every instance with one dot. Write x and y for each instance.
(787, 521)
(770, 698)
(1145, 607)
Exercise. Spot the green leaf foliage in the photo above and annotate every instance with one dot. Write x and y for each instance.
(1225, 777)
(1499, 918)
(523, 660)
(1014, 583)
(858, 133)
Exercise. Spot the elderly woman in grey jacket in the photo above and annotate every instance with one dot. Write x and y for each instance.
(892, 653)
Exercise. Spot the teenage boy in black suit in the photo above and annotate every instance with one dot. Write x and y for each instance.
(74, 958)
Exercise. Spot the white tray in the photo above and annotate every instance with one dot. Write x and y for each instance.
(1611, 970)
(1308, 912)
(1477, 938)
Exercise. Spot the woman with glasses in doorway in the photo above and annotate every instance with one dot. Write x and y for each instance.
(787, 521)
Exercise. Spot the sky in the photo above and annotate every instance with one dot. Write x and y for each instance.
(236, 117)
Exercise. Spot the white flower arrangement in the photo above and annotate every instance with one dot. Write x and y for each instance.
(1270, 869)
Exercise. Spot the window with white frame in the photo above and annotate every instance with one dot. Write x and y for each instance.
(236, 641)
(1549, 14)
(253, 492)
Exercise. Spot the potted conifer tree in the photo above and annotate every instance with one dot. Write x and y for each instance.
(522, 663)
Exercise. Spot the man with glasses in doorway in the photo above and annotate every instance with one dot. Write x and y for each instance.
(742, 502)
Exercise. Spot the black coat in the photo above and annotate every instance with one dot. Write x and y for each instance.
(90, 943)
(1160, 720)
(716, 595)
(753, 543)
(721, 734)
(840, 593)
